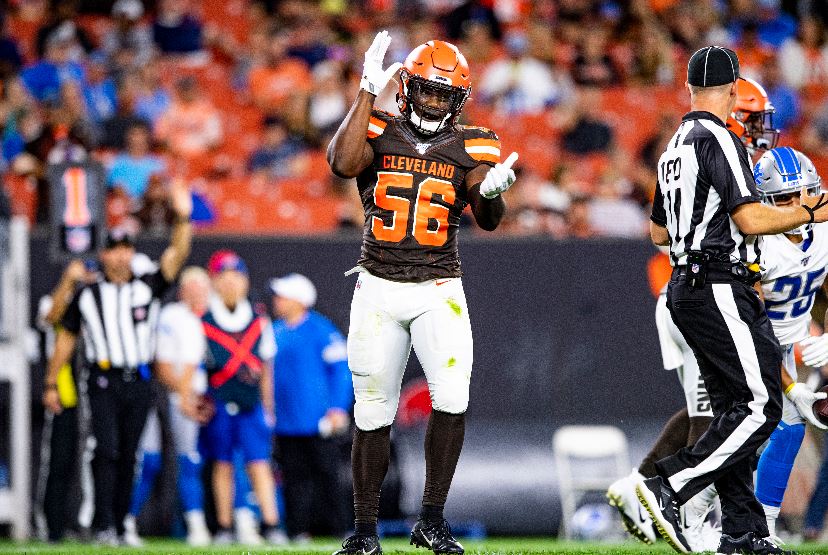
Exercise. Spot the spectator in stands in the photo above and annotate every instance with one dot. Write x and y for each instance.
(652, 56)
(114, 129)
(10, 59)
(129, 33)
(313, 390)
(472, 11)
(175, 29)
(578, 220)
(521, 84)
(593, 65)
(541, 206)
(279, 78)
(61, 21)
(192, 125)
(328, 102)
(132, 169)
(784, 98)
(99, 89)
(16, 105)
(753, 52)
(74, 105)
(583, 132)
(310, 38)
(44, 78)
(804, 59)
(277, 157)
(155, 214)
(613, 213)
(152, 98)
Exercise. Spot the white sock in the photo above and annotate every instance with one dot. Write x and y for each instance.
(698, 506)
(771, 514)
(195, 520)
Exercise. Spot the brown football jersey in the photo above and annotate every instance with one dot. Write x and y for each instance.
(414, 193)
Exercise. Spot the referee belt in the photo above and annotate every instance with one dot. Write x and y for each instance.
(723, 272)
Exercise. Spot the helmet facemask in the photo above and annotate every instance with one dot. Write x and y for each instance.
(781, 198)
(430, 104)
(759, 132)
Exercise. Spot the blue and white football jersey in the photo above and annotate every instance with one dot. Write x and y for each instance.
(792, 273)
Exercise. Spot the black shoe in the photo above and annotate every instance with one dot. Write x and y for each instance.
(660, 501)
(360, 544)
(436, 536)
(749, 544)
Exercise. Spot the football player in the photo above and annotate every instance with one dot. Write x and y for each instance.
(415, 173)
(752, 117)
(794, 268)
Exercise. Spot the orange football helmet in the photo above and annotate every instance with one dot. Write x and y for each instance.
(435, 83)
(752, 117)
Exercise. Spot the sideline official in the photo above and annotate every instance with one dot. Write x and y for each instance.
(117, 315)
(707, 209)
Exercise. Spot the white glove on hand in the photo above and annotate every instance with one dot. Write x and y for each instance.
(804, 400)
(374, 78)
(499, 178)
(815, 350)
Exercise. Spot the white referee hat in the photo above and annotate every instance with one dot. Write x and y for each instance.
(295, 287)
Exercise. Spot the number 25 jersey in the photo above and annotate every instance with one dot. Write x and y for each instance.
(792, 274)
(414, 193)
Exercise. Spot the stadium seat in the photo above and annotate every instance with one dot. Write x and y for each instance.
(590, 446)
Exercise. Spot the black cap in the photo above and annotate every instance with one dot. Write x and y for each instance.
(117, 237)
(712, 66)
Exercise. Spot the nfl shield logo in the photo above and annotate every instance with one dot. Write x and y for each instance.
(694, 268)
(422, 147)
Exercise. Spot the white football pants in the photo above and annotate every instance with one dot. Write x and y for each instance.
(387, 318)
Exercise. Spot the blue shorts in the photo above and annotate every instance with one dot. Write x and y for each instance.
(231, 429)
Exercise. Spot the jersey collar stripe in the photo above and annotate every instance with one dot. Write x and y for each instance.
(482, 142)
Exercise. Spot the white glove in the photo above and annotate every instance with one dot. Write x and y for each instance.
(499, 178)
(815, 350)
(804, 400)
(374, 78)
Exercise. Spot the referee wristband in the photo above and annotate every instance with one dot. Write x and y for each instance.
(810, 213)
(789, 388)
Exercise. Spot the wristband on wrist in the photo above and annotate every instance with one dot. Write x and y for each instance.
(810, 213)
(181, 219)
(789, 388)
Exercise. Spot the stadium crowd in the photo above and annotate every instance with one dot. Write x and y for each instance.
(240, 98)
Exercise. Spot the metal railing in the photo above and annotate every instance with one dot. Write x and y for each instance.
(15, 377)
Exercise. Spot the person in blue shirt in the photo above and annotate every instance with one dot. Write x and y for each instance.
(314, 395)
(132, 169)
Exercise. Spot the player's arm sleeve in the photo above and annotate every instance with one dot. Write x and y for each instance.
(377, 124)
(726, 165)
(658, 215)
(335, 356)
(72, 318)
(482, 145)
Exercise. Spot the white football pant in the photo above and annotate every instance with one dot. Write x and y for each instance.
(387, 318)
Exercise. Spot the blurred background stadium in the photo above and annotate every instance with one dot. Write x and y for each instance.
(239, 98)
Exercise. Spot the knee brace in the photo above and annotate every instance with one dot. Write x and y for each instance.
(190, 489)
(451, 392)
(372, 412)
(776, 463)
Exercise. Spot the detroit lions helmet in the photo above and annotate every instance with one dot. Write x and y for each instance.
(782, 173)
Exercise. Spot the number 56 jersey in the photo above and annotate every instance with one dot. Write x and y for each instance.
(792, 274)
(414, 194)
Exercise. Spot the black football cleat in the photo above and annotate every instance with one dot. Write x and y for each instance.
(436, 536)
(360, 544)
(750, 544)
(660, 501)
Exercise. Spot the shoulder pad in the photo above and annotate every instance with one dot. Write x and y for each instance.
(376, 125)
(481, 144)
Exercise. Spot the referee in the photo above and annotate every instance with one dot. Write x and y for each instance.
(707, 209)
(117, 315)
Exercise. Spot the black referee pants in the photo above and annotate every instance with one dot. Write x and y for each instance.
(63, 462)
(740, 358)
(119, 412)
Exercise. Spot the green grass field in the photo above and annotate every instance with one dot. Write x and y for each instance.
(493, 546)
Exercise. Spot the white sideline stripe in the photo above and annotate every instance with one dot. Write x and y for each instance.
(493, 150)
(374, 128)
(729, 148)
(740, 332)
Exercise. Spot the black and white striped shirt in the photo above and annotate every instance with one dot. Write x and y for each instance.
(118, 321)
(703, 175)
